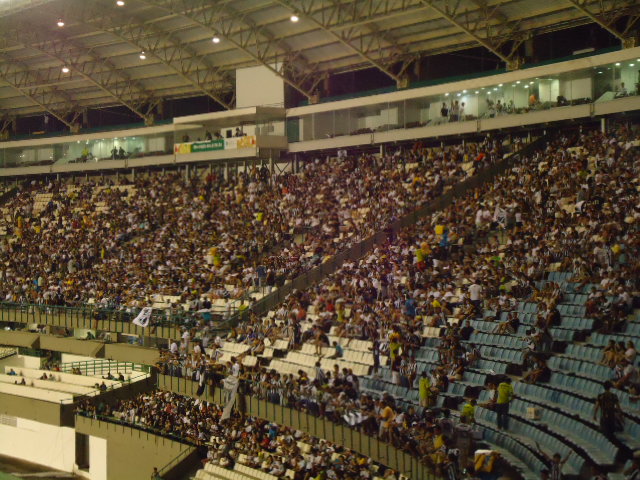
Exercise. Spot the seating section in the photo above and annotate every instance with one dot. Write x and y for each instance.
(58, 386)
(239, 472)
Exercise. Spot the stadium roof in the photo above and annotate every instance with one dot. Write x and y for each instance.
(144, 51)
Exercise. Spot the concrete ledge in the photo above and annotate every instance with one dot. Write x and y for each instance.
(87, 348)
(132, 453)
(19, 339)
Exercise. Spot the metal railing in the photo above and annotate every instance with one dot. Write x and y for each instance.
(99, 367)
(163, 323)
(111, 388)
(176, 461)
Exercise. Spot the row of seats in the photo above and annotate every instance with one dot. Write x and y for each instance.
(587, 369)
(240, 472)
(528, 435)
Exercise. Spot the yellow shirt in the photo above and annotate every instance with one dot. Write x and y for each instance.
(468, 411)
(505, 393)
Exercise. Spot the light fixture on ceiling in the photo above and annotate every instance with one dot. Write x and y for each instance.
(294, 17)
(60, 23)
(143, 56)
(215, 39)
(65, 69)
(617, 64)
(477, 92)
(120, 3)
(446, 94)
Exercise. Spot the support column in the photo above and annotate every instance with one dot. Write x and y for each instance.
(603, 125)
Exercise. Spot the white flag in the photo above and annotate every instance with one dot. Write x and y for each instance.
(143, 317)
(230, 385)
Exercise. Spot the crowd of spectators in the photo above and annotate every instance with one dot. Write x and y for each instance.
(191, 237)
(571, 207)
(257, 443)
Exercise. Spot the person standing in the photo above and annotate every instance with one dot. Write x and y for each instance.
(556, 462)
(608, 405)
(505, 395)
(424, 388)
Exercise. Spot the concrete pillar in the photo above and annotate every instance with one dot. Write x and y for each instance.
(603, 125)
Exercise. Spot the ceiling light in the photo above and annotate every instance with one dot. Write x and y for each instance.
(464, 91)
(526, 86)
(120, 3)
(216, 39)
(143, 56)
(459, 94)
(294, 18)
(477, 92)
(500, 85)
(632, 64)
(617, 63)
(65, 69)
(60, 23)
(518, 82)
(495, 89)
(446, 94)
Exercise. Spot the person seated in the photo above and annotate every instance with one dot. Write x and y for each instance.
(339, 351)
(621, 91)
(538, 371)
(630, 376)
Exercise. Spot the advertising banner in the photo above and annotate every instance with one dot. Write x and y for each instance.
(207, 146)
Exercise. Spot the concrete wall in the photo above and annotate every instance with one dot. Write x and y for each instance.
(20, 361)
(40, 443)
(36, 410)
(97, 458)
(130, 453)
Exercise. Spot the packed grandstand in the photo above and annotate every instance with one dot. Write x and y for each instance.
(282, 274)
(505, 320)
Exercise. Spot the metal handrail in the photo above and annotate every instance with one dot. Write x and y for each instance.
(175, 461)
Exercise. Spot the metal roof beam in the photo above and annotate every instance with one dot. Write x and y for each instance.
(181, 58)
(484, 20)
(607, 17)
(83, 61)
(368, 45)
(57, 102)
(239, 30)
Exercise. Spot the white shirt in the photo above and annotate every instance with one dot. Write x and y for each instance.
(475, 291)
